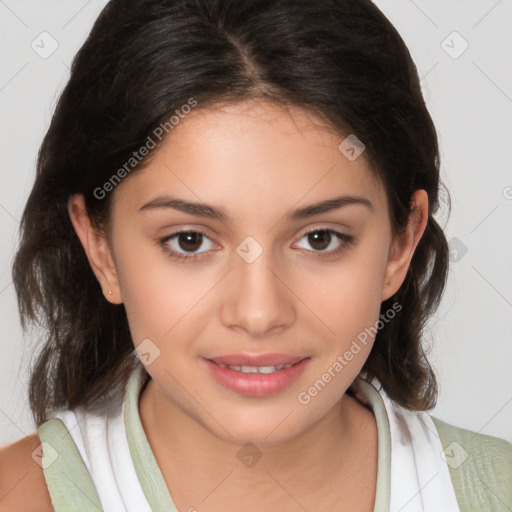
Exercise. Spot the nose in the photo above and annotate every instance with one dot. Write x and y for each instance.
(256, 298)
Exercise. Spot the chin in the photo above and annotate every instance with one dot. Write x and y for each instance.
(275, 430)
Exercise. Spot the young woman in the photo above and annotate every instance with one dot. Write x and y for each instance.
(232, 248)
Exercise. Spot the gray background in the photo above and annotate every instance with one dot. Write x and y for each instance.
(470, 99)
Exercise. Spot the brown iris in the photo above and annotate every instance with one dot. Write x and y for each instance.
(320, 239)
(190, 241)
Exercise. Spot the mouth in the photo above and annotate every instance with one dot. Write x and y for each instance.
(253, 379)
(267, 369)
(257, 360)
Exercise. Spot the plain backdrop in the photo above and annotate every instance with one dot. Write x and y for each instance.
(462, 51)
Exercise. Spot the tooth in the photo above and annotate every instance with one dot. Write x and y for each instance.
(267, 369)
(257, 369)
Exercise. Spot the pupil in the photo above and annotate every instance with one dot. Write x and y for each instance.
(192, 241)
(319, 239)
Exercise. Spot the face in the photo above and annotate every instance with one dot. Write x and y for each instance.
(253, 272)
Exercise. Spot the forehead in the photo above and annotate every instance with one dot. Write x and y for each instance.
(252, 154)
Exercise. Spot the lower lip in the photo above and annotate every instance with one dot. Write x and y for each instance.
(256, 384)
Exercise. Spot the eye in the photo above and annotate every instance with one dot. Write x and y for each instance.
(325, 241)
(186, 244)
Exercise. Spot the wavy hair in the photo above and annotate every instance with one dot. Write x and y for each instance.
(341, 60)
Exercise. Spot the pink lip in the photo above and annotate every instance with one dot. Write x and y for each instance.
(256, 384)
(246, 359)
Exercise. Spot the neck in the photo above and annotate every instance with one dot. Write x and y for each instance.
(327, 451)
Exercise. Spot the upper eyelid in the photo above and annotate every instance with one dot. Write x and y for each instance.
(319, 227)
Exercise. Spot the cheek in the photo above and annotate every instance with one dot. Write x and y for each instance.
(347, 300)
(157, 292)
(346, 296)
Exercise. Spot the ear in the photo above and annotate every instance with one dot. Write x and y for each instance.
(404, 245)
(96, 248)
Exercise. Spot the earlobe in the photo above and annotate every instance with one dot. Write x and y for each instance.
(96, 248)
(404, 244)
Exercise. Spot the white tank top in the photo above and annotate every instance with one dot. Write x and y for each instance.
(412, 473)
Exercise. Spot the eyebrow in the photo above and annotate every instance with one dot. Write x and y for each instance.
(213, 212)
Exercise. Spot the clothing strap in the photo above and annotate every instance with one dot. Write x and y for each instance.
(144, 461)
(68, 481)
(480, 468)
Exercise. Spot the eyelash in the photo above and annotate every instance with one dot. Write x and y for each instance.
(346, 239)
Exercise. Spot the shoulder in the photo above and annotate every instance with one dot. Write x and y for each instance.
(480, 465)
(22, 481)
(480, 443)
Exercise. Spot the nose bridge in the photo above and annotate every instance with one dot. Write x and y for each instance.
(256, 299)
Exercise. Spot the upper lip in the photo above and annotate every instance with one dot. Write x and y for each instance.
(257, 359)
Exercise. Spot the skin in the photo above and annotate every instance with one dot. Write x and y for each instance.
(21, 478)
(258, 162)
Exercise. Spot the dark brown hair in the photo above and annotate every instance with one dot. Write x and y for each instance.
(342, 60)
